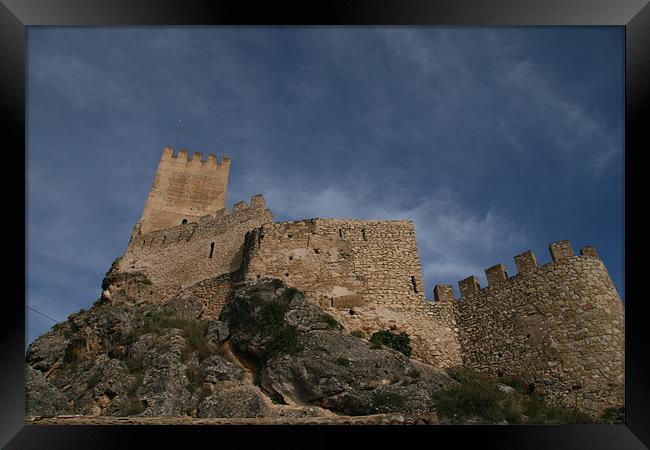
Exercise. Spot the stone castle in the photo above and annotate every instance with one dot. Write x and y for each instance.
(559, 326)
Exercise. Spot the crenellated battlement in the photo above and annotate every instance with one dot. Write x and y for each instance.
(221, 219)
(526, 264)
(187, 253)
(185, 189)
(444, 293)
(182, 156)
(559, 325)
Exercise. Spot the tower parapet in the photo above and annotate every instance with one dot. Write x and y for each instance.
(560, 250)
(589, 250)
(443, 293)
(559, 326)
(185, 189)
(469, 286)
(496, 274)
(526, 261)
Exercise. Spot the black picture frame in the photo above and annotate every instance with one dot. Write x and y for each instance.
(634, 15)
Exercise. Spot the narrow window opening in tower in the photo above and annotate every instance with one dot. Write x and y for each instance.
(164, 239)
(340, 232)
(184, 222)
(363, 234)
(211, 249)
(415, 286)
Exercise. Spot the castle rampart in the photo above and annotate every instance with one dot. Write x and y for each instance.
(365, 272)
(333, 260)
(185, 189)
(183, 255)
(559, 326)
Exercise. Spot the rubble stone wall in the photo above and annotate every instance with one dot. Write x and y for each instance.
(560, 326)
(181, 256)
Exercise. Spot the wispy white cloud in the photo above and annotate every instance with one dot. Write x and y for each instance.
(515, 97)
(454, 240)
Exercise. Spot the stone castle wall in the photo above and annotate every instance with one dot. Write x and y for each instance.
(183, 255)
(560, 326)
(432, 328)
(185, 189)
(365, 272)
(213, 293)
(340, 262)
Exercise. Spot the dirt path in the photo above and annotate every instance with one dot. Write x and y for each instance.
(377, 419)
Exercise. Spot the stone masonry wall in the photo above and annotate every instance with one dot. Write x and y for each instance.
(181, 256)
(431, 327)
(560, 326)
(213, 293)
(366, 273)
(185, 189)
(340, 262)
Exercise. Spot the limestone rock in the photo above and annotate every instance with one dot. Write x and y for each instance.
(46, 350)
(42, 397)
(318, 362)
(245, 401)
(216, 368)
(217, 332)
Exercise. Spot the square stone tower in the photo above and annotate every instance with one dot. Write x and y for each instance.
(185, 189)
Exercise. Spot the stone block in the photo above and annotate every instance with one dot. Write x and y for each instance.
(469, 286)
(560, 250)
(526, 261)
(496, 274)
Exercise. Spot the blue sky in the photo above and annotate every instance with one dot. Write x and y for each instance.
(492, 140)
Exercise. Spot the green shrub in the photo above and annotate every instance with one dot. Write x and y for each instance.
(388, 401)
(194, 377)
(204, 391)
(276, 284)
(400, 342)
(93, 379)
(358, 333)
(342, 361)
(516, 383)
(329, 321)
(282, 338)
(290, 293)
(477, 397)
(70, 357)
(194, 331)
(413, 373)
(135, 384)
(75, 353)
(132, 406)
(134, 364)
(113, 277)
(614, 415)
(283, 341)
(470, 400)
(131, 337)
(277, 399)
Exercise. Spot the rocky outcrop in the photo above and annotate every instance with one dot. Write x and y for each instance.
(271, 354)
(305, 357)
